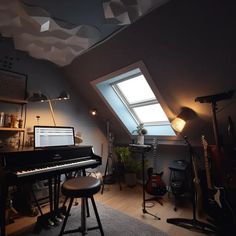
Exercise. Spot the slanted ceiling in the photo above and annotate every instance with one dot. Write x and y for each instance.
(189, 50)
(59, 30)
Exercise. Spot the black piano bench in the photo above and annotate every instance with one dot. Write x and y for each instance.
(83, 187)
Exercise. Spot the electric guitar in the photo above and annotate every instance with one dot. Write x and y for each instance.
(213, 192)
(217, 201)
(197, 186)
(155, 185)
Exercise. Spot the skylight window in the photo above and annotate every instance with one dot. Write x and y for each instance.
(136, 90)
(133, 100)
(139, 98)
(151, 114)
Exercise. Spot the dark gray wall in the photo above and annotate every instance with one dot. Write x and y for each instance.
(189, 50)
(46, 77)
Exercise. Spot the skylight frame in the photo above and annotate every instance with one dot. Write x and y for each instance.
(131, 106)
(103, 86)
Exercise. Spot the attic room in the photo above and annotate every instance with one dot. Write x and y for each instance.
(142, 85)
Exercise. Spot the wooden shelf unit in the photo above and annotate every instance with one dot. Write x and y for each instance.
(13, 101)
(12, 129)
(21, 131)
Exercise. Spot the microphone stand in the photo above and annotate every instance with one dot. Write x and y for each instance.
(192, 224)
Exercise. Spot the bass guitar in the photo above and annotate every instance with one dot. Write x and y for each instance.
(155, 185)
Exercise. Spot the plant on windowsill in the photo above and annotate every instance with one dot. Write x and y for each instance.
(130, 165)
(140, 131)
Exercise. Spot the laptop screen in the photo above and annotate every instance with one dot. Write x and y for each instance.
(51, 136)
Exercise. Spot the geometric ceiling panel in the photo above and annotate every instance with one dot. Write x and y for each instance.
(60, 40)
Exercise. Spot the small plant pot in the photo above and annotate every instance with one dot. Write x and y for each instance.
(140, 139)
(130, 179)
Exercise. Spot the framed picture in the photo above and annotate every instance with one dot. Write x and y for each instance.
(13, 85)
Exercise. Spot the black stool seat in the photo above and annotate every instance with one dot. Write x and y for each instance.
(81, 187)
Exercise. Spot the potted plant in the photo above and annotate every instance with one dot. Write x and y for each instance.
(141, 131)
(131, 166)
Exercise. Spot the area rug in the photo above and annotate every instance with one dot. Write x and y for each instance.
(114, 223)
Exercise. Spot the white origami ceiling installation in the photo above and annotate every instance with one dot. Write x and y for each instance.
(34, 31)
(123, 12)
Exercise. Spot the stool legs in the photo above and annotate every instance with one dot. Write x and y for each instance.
(83, 228)
(66, 218)
(97, 216)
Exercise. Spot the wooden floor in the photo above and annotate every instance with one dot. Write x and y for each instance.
(129, 201)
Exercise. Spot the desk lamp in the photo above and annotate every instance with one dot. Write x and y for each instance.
(39, 97)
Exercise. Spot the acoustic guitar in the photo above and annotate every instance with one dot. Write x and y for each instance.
(155, 185)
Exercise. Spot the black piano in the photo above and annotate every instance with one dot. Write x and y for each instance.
(29, 165)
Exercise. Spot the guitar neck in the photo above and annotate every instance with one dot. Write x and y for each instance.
(155, 156)
(207, 167)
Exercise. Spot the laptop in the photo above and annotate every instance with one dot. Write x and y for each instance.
(53, 136)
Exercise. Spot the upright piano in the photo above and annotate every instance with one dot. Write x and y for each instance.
(29, 165)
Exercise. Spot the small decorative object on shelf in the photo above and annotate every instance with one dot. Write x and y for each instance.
(1, 119)
(141, 131)
(14, 121)
(38, 118)
(7, 120)
(20, 123)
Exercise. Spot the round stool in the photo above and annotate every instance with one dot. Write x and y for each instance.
(81, 187)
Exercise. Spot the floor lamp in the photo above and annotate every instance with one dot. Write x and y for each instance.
(192, 224)
(39, 97)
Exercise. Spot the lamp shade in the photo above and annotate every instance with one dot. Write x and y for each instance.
(185, 115)
(178, 124)
(37, 97)
(63, 95)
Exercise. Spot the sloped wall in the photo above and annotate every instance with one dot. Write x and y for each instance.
(189, 50)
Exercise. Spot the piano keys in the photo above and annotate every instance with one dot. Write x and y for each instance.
(28, 165)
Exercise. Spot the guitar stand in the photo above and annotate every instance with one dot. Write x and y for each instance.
(156, 198)
(141, 149)
(144, 198)
(192, 224)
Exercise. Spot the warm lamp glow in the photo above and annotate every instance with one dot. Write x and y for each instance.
(178, 124)
(39, 97)
(93, 112)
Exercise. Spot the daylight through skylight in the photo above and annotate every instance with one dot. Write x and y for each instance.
(150, 113)
(136, 90)
(132, 99)
(138, 96)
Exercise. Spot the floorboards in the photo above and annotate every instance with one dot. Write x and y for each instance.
(129, 201)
